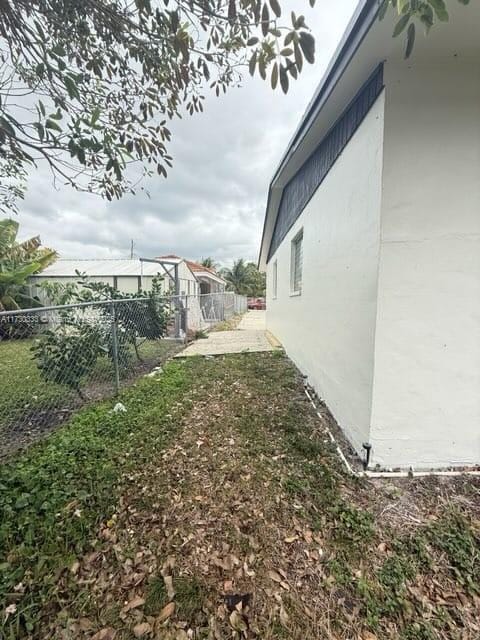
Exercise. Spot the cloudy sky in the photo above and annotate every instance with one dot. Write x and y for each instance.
(213, 202)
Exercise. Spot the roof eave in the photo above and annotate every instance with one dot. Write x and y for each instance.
(358, 27)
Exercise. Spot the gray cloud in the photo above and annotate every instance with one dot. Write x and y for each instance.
(214, 199)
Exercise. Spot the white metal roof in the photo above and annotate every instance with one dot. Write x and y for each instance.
(109, 267)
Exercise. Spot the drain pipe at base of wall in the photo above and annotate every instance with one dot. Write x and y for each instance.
(383, 474)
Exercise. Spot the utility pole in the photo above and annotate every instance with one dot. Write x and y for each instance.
(131, 249)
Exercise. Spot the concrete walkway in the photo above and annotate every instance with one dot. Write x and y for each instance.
(249, 337)
(253, 321)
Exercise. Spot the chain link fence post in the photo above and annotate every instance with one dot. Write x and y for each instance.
(186, 318)
(116, 367)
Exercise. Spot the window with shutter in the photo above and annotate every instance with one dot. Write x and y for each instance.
(297, 263)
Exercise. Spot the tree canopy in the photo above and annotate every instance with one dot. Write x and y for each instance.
(18, 261)
(209, 262)
(89, 87)
(244, 278)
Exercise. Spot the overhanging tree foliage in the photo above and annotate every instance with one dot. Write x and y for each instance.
(89, 86)
(413, 13)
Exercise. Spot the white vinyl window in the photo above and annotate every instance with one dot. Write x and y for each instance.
(296, 264)
(274, 279)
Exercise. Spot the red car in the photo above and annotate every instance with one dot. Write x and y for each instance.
(257, 304)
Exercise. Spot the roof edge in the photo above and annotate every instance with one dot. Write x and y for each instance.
(358, 27)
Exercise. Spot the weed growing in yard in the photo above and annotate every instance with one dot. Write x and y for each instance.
(156, 597)
(454, 536)
(189, 596)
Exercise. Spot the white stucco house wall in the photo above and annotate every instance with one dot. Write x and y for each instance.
(371, 241)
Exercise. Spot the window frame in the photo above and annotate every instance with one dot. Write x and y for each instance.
(275, 280)
(297, 242)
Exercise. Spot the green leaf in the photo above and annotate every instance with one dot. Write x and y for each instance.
(383, 9)
(401, 24)
(58, 50)
(284, 79)
(274, 78)
(6, 126)
(71, 87)
(440, 9)
(41, 130)
(298, 56)
(265, 19)
(95, 115)
(276, 8)
(307, 44)
(410, 40)
(252, 63)
(51, 124)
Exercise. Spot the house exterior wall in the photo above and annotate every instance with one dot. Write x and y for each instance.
(328, 330)
(188, 282)
(125, 284)
(426, 398)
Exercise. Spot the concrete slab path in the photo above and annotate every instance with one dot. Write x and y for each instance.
(253, 321)
(249, 337)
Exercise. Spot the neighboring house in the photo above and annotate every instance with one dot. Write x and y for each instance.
(210, 281)
(133, 275)
(207, 280)
(372, 241)
(126, 275)
(188, 283)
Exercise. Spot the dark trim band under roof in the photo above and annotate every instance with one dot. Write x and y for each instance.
(365, 15)
(313, 172)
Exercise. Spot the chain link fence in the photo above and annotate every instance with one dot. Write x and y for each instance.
(209, 309)
(55, 359)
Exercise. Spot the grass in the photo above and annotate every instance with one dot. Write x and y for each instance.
(22, 386)
(218, 478)
(53, 497)
(228, 325)
(29, 404)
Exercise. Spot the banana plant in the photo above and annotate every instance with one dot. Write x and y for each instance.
(19, 261)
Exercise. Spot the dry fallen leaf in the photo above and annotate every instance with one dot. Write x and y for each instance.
(275, 576)
(283, 616)
(166, 612)
(368, 635)
(168, 580)
(134, 603)
(85, 624)
(141, 629)
(75, 567)
(237, 621)
(105, 634)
